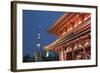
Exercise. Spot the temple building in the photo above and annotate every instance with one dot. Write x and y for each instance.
(74, 36)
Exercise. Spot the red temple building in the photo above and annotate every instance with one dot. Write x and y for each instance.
(74, 36)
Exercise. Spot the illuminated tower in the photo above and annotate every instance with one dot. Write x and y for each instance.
(37, 52)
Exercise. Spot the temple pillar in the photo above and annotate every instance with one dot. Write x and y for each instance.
(73, 54)
(61, 56)
(84, 50)
(65, 55)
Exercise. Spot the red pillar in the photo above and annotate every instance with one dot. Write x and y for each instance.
(61, 56)
(65, 55)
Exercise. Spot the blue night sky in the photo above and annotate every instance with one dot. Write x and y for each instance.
(38, 22)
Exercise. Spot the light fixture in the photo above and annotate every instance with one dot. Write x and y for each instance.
(86, 18)
(75, 25)
(71, 28)
(79, 22)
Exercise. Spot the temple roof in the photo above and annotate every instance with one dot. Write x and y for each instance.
(67, 21)
(68, 24)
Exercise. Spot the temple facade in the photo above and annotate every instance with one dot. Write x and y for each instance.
(74, 32)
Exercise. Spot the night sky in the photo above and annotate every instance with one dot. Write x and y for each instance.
(38, 22)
